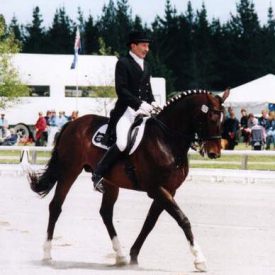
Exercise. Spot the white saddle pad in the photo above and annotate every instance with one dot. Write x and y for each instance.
(138, 131)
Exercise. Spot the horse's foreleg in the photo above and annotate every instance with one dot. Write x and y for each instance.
(106, 211)
(169, 204)
(151, 219)
(55, 209)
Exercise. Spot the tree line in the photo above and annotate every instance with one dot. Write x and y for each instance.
(187, 49)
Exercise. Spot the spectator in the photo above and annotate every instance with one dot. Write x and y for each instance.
(258, 135)
(11, 138)
(270, 130)
(263, 119)
(73, 116)
(40, 129)
(47, 118)
(61, 120)
(251, 121)
(230, 131)
(229, 111)
(52, 128)
(4, 125)
(245, 132)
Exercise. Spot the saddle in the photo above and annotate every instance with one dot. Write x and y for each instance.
(135, 135)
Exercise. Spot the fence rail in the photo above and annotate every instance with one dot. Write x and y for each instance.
(28, 154)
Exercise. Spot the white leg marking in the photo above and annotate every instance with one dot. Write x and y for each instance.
(47, 247)
(200, 260)
(120, 258)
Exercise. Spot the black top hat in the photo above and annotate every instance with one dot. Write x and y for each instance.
(138, 37)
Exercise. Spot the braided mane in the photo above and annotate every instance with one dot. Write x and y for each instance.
(182, 95)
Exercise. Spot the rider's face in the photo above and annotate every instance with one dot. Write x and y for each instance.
(140, 49)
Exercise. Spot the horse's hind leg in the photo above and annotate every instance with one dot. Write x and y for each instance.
(169, 204)
(151, 219)
(106, 211)
(55, 208)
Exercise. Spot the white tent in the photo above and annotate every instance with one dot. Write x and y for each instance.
(254, 96)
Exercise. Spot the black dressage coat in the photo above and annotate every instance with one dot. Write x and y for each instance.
(132, 85)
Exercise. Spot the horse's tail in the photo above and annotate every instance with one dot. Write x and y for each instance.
(43, 183)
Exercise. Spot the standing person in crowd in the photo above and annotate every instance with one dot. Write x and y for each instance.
(245, 132)
(270, 130)
(47, 118)
(4, 125)
(73, 116)
(52, 128)
(61, 120)
(40, 128)
(133, 88)
(230, 130)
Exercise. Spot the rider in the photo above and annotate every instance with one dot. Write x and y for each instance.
(134, 92)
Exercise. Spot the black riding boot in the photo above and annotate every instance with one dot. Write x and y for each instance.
(103, 165)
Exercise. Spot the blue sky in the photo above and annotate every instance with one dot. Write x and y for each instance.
(146, 9)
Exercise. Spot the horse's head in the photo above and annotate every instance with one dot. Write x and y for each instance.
(208, 121)
(195, 117)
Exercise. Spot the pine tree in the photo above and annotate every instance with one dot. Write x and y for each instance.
(16, 29)
(90, 37)
(124, 25)
(34, 41)
(245, 43)
(61, 35)
(268, 40)
(107, 26)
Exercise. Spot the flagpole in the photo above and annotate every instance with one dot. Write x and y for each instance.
(76, 98)
(77, 46)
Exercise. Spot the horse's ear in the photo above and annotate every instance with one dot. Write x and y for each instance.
(226, 94)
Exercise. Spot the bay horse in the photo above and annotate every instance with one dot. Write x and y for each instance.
(160, 165)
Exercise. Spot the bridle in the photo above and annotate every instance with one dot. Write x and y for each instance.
(198, 138)
(205, 112)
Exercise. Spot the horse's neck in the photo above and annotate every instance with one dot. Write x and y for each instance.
(177, 119)
(177, 129)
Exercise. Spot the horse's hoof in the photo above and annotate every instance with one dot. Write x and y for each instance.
(121, 260)
(201, 266)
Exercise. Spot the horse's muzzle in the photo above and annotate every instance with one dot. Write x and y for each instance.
(213, 155)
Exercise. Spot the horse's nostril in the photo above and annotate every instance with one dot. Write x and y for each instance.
(212, 155)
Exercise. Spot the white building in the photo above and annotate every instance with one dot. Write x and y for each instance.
(57, 87)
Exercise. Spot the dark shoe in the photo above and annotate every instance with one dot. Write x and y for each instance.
(97, 180)
(104, 165)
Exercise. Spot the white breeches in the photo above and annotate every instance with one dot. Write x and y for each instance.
(123, 127)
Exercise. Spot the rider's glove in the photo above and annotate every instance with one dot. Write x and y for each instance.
(145, 108)
(155, 105)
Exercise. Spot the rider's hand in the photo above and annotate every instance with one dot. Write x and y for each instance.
(155, 105)
(145, 108)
